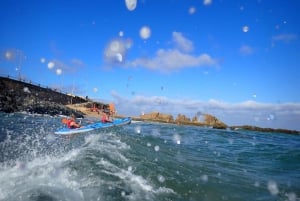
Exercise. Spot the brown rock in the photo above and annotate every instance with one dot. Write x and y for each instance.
(156, 116)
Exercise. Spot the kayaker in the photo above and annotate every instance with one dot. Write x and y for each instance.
(105, 117)
(71, 123)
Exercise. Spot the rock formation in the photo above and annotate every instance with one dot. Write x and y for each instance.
(17, 96)
(158, 117)
(209, 120)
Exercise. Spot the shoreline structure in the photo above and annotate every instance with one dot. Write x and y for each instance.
(18, 95)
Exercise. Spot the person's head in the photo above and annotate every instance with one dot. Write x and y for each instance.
(73, 116)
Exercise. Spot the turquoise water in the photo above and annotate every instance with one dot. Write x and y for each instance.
(144, 161)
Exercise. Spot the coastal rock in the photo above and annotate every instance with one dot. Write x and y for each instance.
(209, 120)
(255, 128)
(18, 96)
(158, 117)
(182, 119)
(214, 122)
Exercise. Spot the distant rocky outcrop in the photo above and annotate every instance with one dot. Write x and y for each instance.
(255, 128)
(158, 117)
(181, 119)
(214, 122)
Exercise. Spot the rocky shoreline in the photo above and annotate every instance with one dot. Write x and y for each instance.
(209, 121)
(19, 95)
(16, 96)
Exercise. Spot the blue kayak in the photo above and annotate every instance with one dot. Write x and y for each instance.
(94, 126)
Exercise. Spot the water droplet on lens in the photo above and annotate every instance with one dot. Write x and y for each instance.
(192, 10)
(204, 178)
(145, 32)
(161, 178)
(177, 139)
(272, 187)
(58, 71)
(131, 4)
(51, 65)
(138, 130)
(292, 196)
(245, 29)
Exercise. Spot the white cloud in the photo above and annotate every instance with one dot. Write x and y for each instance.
(77, 62)
(246, 50)
(285, 37)
(73, 66)
(172, 60)
(182, 43)
(283, 115)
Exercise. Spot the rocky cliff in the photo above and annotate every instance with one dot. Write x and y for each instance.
(16, 95)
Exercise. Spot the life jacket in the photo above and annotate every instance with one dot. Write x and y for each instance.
(104, 119)
(69, 123)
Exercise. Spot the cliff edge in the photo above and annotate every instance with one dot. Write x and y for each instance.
(16, 95)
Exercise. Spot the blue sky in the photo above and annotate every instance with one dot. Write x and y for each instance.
(237, 60)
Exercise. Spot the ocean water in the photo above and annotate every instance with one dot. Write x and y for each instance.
(144, 161)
